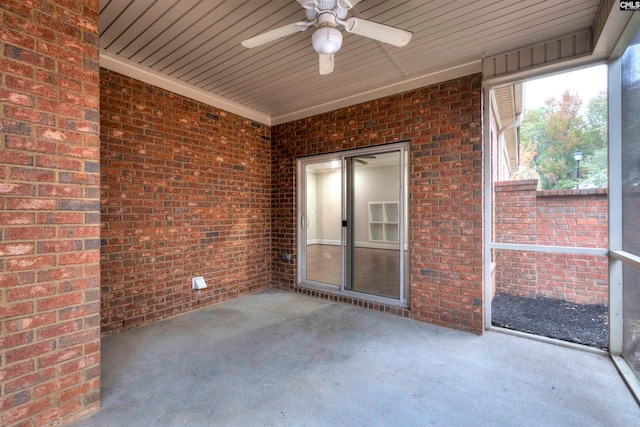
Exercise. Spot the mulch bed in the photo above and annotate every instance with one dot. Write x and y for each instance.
(567, 321)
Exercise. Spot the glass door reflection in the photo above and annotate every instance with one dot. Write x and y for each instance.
(322, 222)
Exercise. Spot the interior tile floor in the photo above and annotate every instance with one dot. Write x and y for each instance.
(284, 359)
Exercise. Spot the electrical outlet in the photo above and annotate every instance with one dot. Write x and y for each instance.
(286, 257)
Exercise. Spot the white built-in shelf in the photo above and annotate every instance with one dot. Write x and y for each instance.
(383, 222)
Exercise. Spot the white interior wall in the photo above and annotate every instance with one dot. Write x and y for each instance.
(372, 184)
(312, 233)
(329, 211)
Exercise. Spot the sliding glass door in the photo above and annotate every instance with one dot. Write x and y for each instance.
(352, 222)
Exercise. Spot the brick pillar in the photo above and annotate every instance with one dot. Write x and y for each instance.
(446, 208)
(49, 212)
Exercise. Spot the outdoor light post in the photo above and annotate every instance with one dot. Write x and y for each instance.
(578, 157)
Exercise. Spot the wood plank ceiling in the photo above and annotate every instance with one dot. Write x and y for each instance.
(197, 42)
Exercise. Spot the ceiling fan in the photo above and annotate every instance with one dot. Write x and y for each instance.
(363, 162)
(327, 39)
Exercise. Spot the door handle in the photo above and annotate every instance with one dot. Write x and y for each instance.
(304, 221)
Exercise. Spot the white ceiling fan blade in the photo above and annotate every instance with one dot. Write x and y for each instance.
(326, 64)
(276, 34)
(307, 4)
(347, 4)
(380, 32)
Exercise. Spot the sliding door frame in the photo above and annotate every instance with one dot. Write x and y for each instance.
(403, 229)
(301, 233)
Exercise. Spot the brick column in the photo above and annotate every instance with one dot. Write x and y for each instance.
(49, 212)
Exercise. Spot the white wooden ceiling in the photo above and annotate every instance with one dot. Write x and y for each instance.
(197, 43)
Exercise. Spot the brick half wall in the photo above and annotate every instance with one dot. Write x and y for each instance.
(574, 218)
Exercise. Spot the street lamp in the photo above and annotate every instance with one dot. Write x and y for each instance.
(578, 158)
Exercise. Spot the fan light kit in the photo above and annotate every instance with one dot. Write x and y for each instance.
(327, 39)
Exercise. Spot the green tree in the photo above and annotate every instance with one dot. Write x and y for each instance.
(595, 140)
(595, 169)
(531, 131)
(549, 136)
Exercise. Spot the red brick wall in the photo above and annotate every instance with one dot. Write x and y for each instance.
(186, 191)
(576, 218)
(49, 211)
(573, 218)
(515, 223)
(443, 122)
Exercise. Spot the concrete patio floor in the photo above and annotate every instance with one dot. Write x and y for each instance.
(282, 359)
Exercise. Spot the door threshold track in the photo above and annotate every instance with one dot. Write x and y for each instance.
(358, 296)
(628, 376)
(384, 307)
(548, 340)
